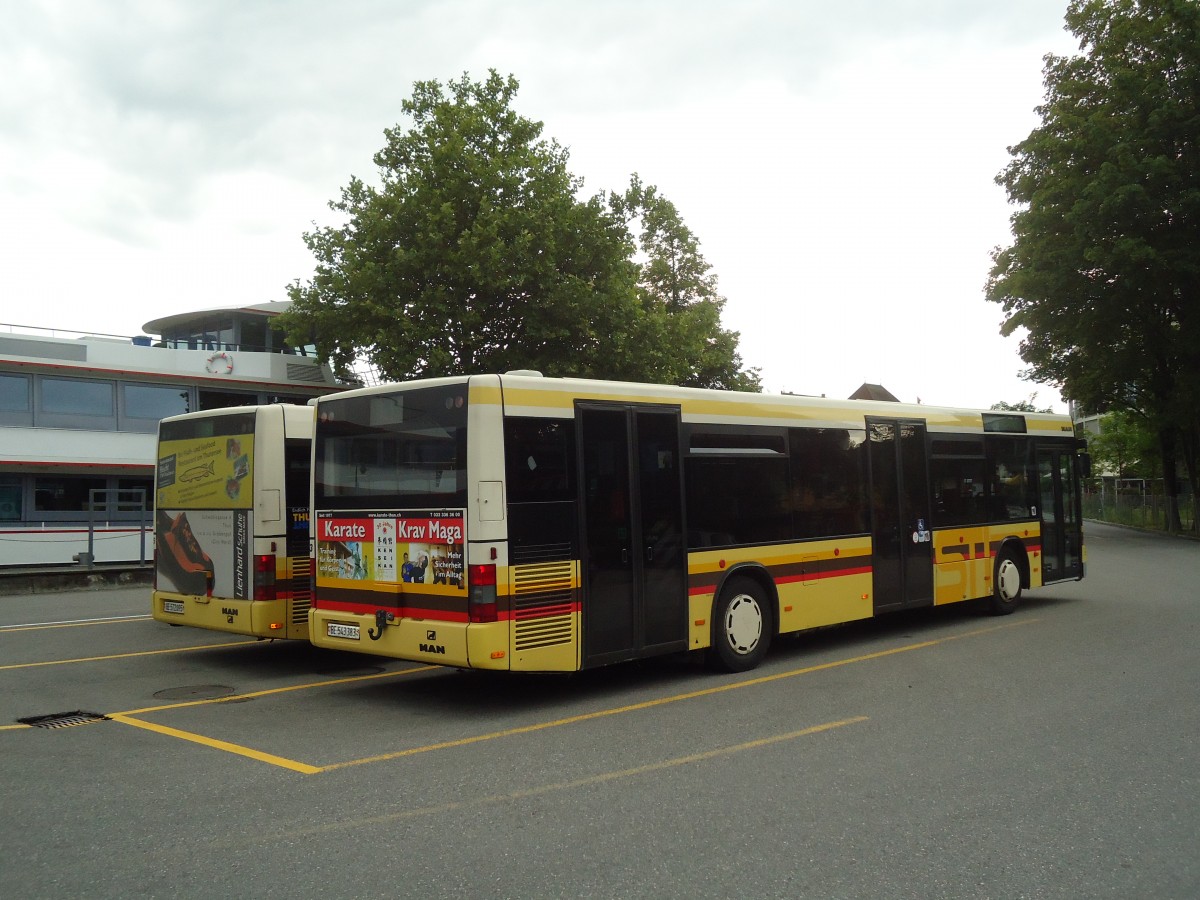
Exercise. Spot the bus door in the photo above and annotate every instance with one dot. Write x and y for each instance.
(297, 464)
(631, 514)
(900, 527)
(1058, 506)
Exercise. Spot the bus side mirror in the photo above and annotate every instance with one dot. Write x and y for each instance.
(1085, 464)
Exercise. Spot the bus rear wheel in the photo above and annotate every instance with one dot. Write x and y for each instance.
(1006, 584)
(741, 627)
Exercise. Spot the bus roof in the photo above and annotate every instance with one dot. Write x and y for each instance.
(530, 394)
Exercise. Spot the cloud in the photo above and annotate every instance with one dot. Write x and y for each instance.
(835, 159)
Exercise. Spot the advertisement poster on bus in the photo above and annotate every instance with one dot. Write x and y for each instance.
(207, 473)
(422, 547)
(204, 552)
(202, 524)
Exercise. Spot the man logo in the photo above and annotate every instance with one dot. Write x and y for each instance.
(431, 635)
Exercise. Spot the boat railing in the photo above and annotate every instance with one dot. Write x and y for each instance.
(38, 331)
(142, 340)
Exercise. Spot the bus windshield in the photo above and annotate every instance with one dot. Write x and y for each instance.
(402, 449)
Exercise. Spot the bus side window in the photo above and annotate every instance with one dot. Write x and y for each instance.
(539, 460)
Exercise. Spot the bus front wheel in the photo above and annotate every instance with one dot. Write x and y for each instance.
(741, 627)
(1006, 584)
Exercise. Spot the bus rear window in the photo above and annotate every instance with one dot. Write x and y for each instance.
(403, 449)
(185, 429)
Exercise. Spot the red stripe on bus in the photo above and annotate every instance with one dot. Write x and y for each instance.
(821, 576)
(708, 587)
(401, 612)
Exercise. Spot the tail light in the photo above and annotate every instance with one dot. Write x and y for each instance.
(481, 596)
(156, 568)
(264, 577)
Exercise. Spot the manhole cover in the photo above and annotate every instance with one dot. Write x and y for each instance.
(195, 692)
(64, 719)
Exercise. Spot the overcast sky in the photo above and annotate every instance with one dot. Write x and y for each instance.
(836, 160)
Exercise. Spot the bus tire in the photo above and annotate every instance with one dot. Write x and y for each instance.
(741, 627)
(1006, 584)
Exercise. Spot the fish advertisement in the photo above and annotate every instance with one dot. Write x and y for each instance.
(207, 473)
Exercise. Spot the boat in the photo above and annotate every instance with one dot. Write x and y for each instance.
(79, 415)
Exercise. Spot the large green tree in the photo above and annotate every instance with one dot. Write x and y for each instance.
(1104, 269)
(476, 253)
(473, 254)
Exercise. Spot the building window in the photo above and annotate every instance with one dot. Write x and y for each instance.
(14, 393)
(10, 499)
(128, 498)
(76, 397)
(64, 493)
(222, 399)
(154, 401)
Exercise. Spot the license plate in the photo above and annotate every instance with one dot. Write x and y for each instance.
(338, 630)
(173, 606)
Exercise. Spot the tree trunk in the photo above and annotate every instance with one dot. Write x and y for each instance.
(1167, 444)
(1190, 440)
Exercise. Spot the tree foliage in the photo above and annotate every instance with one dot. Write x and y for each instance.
(1022, 406)
(680, 340)
(476, 254)
(1124, 448)
(1104, 271)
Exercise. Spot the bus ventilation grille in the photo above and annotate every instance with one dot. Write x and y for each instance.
(300, 607)
(540, 553)
(64, 719)
(543, 599)
(301, 589)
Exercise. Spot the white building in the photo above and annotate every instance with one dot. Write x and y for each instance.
(79, 413)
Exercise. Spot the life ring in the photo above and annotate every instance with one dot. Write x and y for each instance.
(220, 363)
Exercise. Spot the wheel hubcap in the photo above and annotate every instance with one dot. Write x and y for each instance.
(1008, 580)
(743, 624)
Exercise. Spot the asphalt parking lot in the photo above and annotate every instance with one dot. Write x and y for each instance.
(943, 753)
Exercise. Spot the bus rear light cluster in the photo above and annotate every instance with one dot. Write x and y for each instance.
(264, 577)
(481, 596)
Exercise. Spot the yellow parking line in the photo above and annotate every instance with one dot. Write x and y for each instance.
(305, 768)
(662, 701)
(601, 778)
(83, 659)
(127, 718)
(218, 745)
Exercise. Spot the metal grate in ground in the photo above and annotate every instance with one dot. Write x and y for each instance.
(64, 719)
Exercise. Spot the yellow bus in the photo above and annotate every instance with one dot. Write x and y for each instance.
(526, 523)
(232, 520)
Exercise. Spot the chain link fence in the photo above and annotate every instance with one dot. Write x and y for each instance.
(1141, 510)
